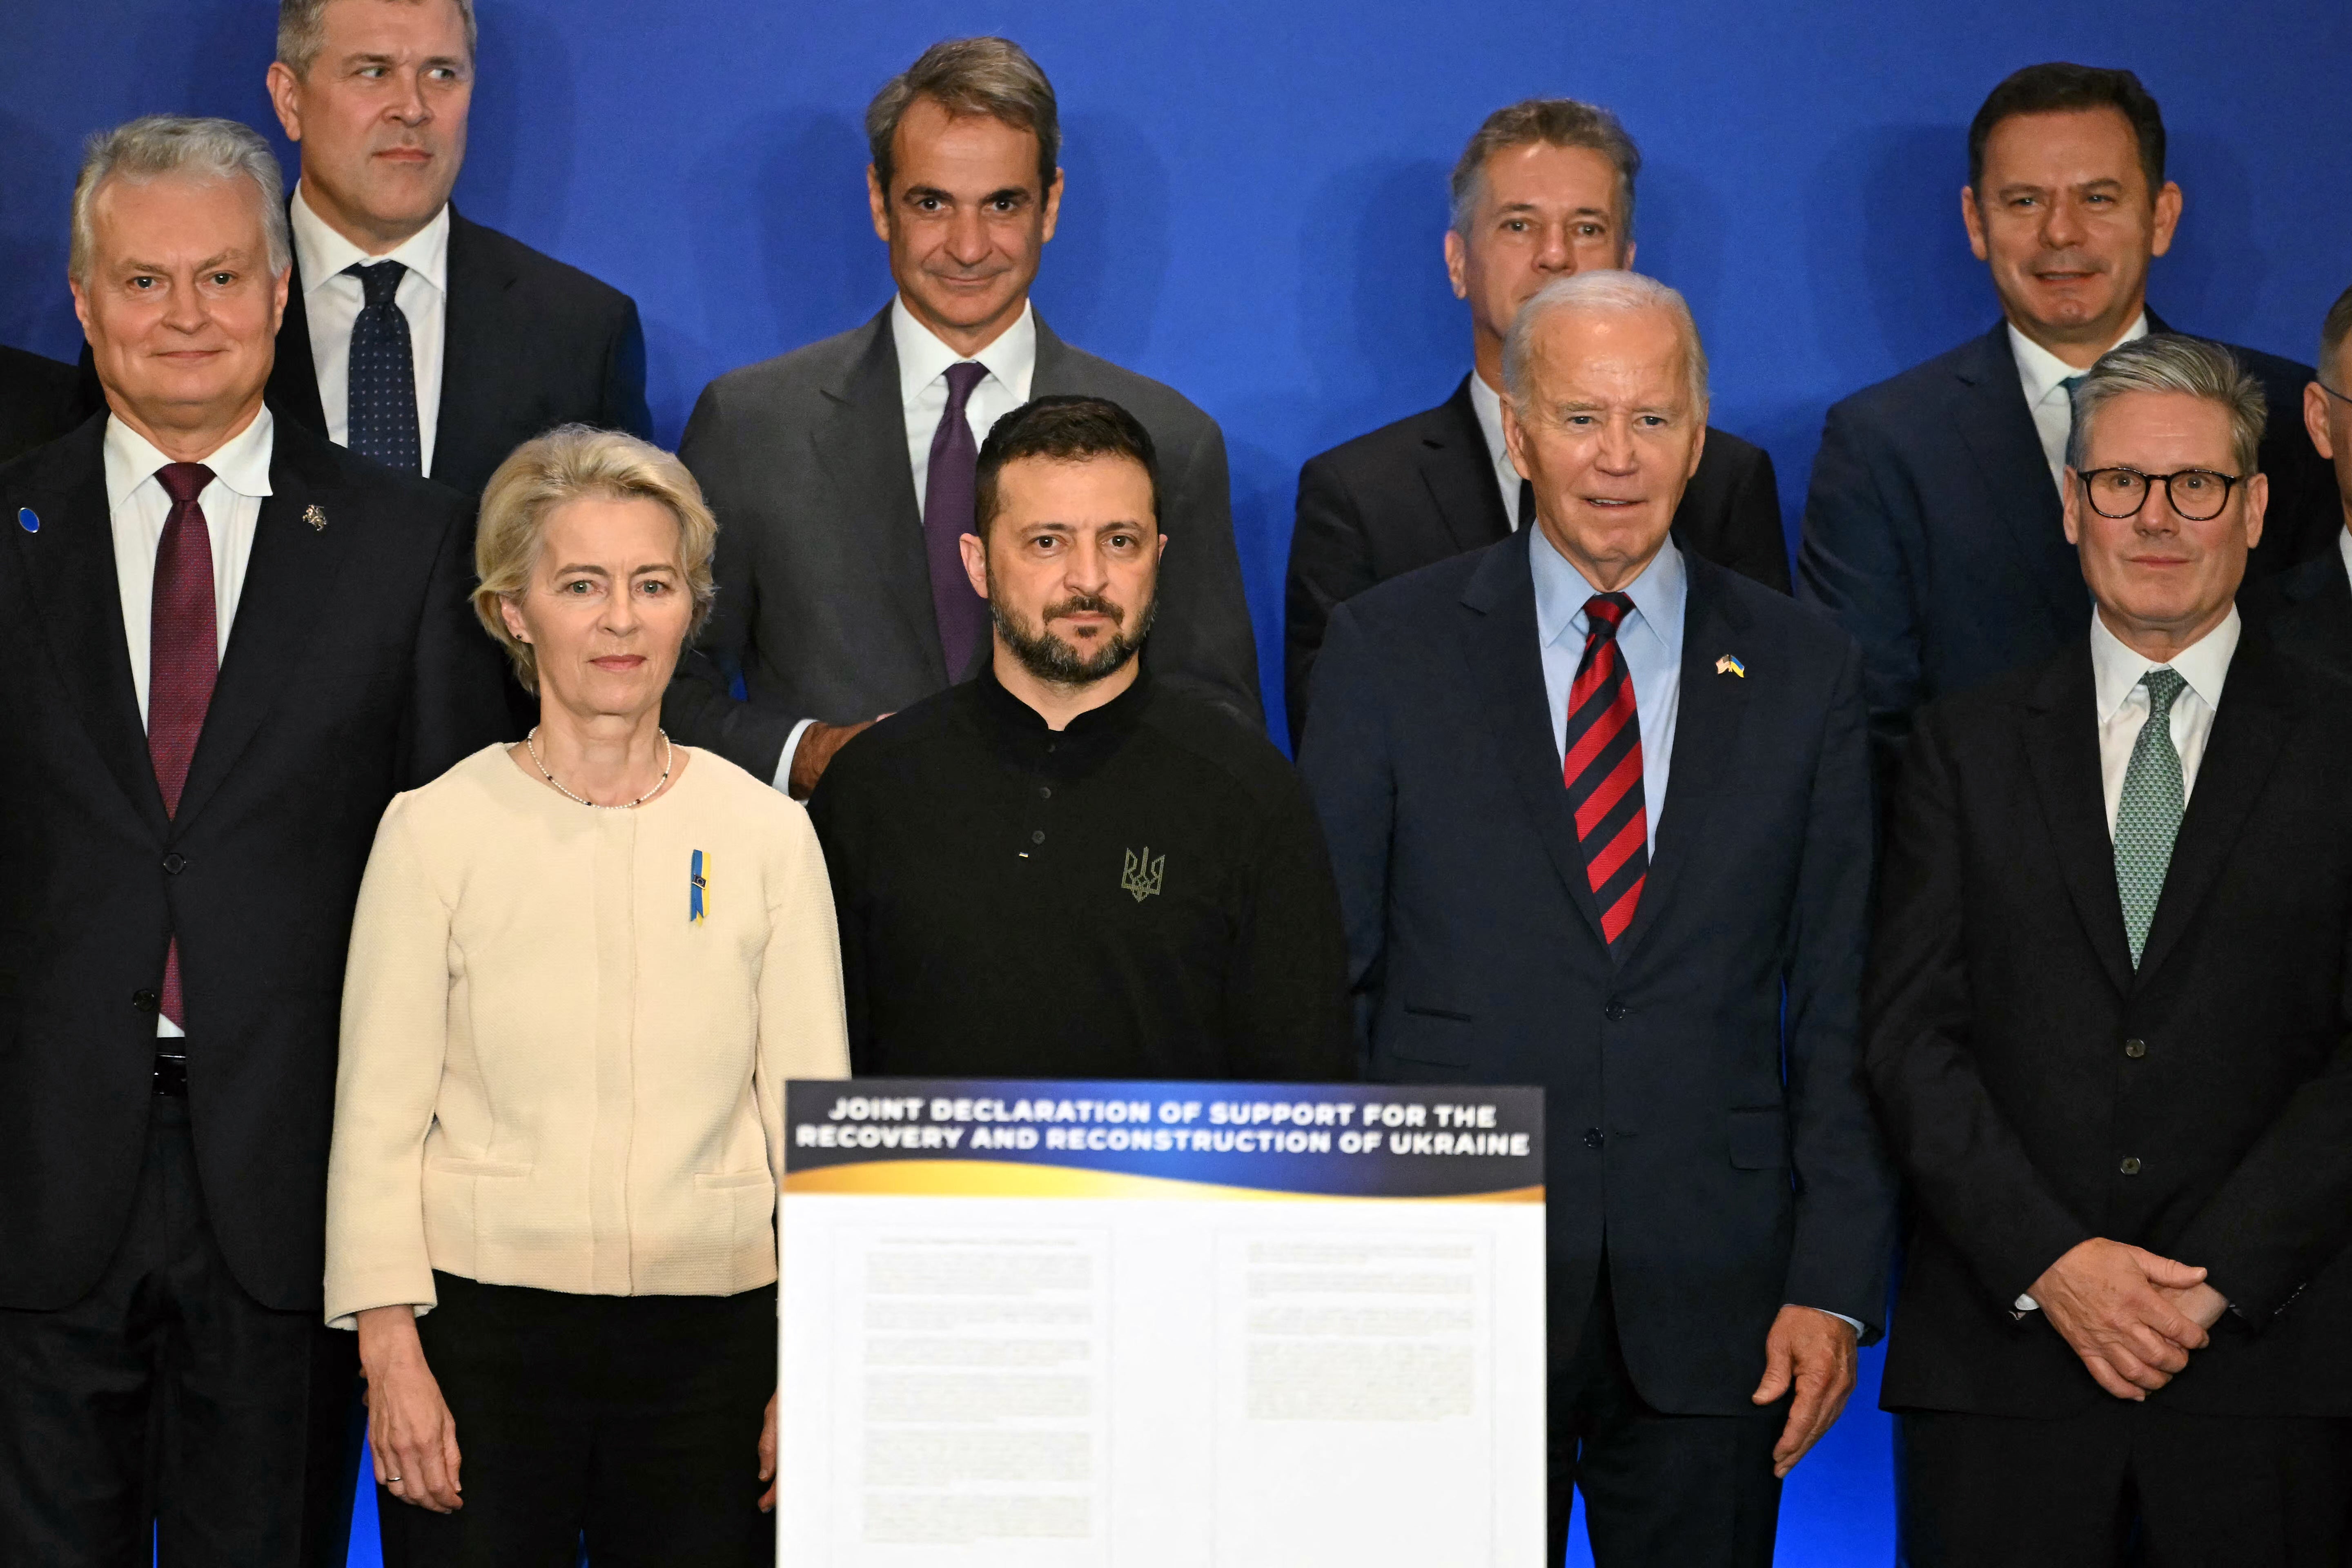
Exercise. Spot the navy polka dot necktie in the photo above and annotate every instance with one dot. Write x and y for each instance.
(381, 415)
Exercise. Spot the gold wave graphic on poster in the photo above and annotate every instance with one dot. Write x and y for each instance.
(995, 1179)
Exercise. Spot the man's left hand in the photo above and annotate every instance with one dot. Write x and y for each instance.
(1813, 1353)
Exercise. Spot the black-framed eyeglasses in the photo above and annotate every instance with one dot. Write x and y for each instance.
(2331, 391)
(2198, 494)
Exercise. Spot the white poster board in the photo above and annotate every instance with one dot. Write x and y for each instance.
(1161, 1325)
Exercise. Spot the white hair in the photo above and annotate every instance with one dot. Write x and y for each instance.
(167, 145)
(1608, 293)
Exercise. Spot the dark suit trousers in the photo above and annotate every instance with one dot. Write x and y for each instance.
(2123, 1482)
(630, 1421)
(167, 1405)
(1696, 1491)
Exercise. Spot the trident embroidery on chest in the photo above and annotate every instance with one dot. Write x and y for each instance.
(1142, 876)
(697, 889)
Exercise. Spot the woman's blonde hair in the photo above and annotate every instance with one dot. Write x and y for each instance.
(567, 464)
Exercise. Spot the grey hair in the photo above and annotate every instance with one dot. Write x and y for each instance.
(1609, 292)
(994, 76)
(1556, 122)
(157, 145)
(2192, 367)
(302, 31)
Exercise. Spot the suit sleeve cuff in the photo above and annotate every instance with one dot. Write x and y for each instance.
(1853, 1324)
(784, 779)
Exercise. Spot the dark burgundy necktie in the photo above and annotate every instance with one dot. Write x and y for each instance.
(1602, 768)
(182, 656)
(947, 503)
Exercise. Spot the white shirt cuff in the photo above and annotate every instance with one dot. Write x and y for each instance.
(1840, 1317)
(2028, 1304)
(784, 779)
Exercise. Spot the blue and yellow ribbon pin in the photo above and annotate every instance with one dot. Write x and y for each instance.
(697, 885)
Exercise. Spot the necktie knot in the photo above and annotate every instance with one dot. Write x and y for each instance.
(1603, 613)
(2070, 383)
(962, 376)
(183, 482)
(2164, 684)
(378, 281)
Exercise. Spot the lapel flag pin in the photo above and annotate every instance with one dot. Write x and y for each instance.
(315, 518)
(26, 520)
(1727, 665)
(697, 883)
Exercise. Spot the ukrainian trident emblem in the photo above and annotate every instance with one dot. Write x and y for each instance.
(1141, 876)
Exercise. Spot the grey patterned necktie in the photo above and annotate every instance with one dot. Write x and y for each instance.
(2147, 819)
(380, 412)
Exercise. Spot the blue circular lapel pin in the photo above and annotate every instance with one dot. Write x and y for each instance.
(24, 517)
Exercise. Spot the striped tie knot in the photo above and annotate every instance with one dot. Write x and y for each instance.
(1601, 766)
(1605, 613)
(183, 482)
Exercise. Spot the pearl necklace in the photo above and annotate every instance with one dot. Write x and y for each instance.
(531, 744)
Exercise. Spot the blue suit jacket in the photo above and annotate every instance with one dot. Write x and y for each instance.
(1933, 533)
(1724, 1143)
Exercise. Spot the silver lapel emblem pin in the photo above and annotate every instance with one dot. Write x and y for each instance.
(1141, 876)
(315, 518)
(26, 521)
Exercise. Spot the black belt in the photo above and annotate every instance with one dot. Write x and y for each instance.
(172, 1074)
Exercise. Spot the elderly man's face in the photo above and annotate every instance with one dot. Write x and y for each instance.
(1071, 564)
(2064, 218)
(380, 115)
(607, 607)
(2162, 579)
(1608, 436)
(965, 220)
(1544, 213)
(179, 303)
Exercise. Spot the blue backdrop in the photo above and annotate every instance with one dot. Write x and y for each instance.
(1256, 200)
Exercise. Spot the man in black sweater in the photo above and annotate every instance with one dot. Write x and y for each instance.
(1060, 869)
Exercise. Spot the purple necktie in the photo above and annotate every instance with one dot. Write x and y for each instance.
(182, 656)
(948, 486)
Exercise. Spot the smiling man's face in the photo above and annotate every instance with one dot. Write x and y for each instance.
(2064, 216)
(1608, 437)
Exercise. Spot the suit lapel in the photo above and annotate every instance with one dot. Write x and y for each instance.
(477, 354)
(1460, 478)
(69, 571)
(1707, 738)
(1988, 408)
(2249, 730)
(1506, 668)
(293, 390)
(862, 442)
(2062, 748)
(289, 581)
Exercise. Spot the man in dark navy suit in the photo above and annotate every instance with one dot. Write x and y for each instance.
(1544, 190)
(2308, 609)
(40, 400)
(1932, 529)
(1599, 811)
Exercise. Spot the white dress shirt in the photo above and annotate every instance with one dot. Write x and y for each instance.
(2122, 701)
(923, 362)
(2343, 549)
(137, 506)
(331, 302)
(1489, 405)
(2043, 375)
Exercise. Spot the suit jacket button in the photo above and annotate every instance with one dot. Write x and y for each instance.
(1615, 1012)
(2130, 1166)
(146, 1000)
(2135, 1049)
(175, 862)
(1593, 1138)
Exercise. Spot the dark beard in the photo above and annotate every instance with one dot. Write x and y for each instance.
(1049, 659)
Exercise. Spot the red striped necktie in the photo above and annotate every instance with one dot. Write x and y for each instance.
(1603, 769)
(183, 657)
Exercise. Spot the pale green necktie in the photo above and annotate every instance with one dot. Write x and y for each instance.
(2147, 819)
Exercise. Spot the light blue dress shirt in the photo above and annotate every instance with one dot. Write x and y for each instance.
(1650, 640)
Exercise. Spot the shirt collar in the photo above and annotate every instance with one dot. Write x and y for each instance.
(1011, 359)
(1489, 405)
(241, 463)
(1658, 593)
(323, 253)
(2115, 668)
(2041, 370)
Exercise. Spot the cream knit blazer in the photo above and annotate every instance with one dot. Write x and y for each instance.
(553, 1074)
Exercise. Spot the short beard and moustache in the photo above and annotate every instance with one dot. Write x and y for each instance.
(1050, 659)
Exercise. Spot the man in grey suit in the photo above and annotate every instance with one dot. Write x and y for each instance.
(842, 474)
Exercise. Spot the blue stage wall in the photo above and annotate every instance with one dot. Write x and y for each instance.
(1256, 200)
